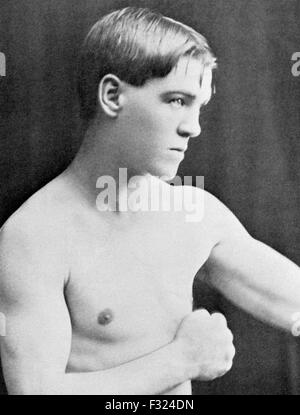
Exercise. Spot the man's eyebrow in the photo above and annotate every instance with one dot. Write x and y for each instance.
(188, 94)
(181, 92)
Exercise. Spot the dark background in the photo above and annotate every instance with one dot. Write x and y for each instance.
(249, 150)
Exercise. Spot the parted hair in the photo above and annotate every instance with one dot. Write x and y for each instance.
(135, 44)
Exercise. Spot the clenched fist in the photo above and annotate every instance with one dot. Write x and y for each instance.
(205, 343)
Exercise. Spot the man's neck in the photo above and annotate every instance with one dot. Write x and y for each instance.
(99, 158)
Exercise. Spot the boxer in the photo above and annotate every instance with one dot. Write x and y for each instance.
(99, 301)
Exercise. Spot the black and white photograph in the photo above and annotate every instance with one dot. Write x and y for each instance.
(149, 199)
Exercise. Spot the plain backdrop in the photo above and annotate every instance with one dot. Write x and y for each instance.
(249, 150)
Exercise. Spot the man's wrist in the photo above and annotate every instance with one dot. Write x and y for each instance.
(185, 366)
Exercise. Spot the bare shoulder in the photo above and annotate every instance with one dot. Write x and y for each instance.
(33, 239)
(38, 216)
(207, 211)
(202, 206)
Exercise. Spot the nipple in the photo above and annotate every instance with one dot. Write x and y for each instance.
(105, 317)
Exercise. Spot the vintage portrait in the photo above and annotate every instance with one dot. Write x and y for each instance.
(149, 197)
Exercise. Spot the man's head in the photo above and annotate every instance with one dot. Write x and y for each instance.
(135, 45)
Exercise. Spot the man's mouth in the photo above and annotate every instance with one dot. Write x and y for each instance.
(182, 150)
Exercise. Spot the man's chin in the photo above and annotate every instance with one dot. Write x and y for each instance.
(165, 174)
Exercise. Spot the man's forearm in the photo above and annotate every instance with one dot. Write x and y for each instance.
(152, 374)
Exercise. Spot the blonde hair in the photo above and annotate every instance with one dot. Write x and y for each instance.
(135, 44)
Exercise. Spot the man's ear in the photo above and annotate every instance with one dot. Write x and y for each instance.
(110, 95)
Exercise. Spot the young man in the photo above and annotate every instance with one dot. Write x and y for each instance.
(98, 296)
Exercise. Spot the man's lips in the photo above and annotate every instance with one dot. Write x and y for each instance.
(181, 149)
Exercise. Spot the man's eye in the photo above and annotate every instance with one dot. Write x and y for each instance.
(179, 102)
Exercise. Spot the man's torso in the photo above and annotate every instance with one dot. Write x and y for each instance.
(130, 281)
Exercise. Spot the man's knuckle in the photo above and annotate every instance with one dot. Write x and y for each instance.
(201, 313)
(220, 318)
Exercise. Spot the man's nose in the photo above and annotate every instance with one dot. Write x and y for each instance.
(190, 128)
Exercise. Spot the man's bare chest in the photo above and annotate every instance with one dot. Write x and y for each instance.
(124, 284)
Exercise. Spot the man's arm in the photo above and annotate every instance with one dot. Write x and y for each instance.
(37, 344)
(249, 273)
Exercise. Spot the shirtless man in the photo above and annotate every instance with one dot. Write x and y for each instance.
(99, 301)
